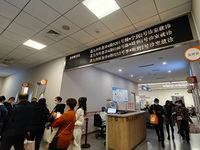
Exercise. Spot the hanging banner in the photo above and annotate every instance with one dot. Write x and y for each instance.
(193, 54)
(192, 79)
(166, 34)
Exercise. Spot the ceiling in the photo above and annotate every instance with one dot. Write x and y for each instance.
(149, 68)
(21, 20)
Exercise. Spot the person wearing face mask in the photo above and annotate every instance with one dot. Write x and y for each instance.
(182, 119)
(59, 106)
(159, 112)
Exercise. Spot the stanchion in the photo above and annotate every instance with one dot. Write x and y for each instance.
(86, 145)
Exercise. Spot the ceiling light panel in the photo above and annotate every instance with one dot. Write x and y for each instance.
(34, 44)
(101, 8)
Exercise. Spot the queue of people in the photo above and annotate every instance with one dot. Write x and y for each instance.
(28, 120)
(169, 114)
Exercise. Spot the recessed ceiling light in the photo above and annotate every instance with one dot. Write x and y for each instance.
(169, 71)
(140, 79)
(101, 8)
(120, 70)
(131, 75)
(65, 27)
(164, 63)
(34, 44)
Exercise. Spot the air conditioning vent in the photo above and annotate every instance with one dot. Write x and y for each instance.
(53, 32)
(149, 65)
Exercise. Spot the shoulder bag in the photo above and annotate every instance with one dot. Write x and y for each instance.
(53, 144)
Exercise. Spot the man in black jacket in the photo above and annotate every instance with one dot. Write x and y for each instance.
(159, 112)
(18, 125)
(8, 104)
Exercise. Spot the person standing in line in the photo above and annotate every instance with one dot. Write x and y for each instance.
(169, 118)
(8, 104)
(18, 125)
(68, 120)
(59, 106)
(103, 115)
(158, 127)
(3, 113)
(80, 114)
(39, 120)
(182, 118)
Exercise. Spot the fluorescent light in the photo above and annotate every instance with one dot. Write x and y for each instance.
(131, 75)
(120, 70)
(101, 8)
(140, 79)
(169, 71)
(34, 44)
(164, 63)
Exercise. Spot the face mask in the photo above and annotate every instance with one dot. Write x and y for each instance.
(56, 103)
(156, 103)
(179, 104)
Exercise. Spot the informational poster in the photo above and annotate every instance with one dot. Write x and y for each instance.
(130, 106)
(122, 106)
(120, 95)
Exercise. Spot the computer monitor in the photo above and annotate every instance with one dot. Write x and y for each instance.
(112, 110)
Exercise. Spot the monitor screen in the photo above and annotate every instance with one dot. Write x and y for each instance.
(112, 110)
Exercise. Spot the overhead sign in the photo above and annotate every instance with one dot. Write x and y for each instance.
(146, 88)
(192, 79)
(162, 35)
(193, 54)
(26, 84)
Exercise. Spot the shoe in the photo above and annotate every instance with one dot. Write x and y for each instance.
(168, 137)
(163, 145)
(173, 137)
(159, 139)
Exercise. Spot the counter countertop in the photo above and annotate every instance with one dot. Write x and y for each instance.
(127, 115)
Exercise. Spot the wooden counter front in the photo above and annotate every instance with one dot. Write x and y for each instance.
(124, 132)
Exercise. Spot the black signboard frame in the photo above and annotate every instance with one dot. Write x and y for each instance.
(153, 38)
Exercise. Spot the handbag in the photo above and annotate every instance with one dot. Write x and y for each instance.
(153, 118)
(53, 144)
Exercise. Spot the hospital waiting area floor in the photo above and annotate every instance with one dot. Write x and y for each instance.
(151, 142)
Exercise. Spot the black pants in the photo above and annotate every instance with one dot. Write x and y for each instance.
(60, 149)
(16, 141)
(184, 130)
(37, 136)
(172, 128)
(159, 130)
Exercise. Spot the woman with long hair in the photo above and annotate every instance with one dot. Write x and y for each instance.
(80, 114)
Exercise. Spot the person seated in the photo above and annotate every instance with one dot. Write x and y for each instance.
(103, 115)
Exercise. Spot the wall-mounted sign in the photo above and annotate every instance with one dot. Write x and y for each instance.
(192, 79)
(43, 82)
(171, 32)
(146, 88)
(26, 84)
(193, 54)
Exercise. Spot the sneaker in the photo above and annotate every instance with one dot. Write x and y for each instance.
(163, 145)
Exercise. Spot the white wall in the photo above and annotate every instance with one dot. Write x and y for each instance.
(95, 84)
(1, 84)
(196, 14)
(164, 95)
(52, 71)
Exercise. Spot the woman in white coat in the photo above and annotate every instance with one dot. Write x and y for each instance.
(80, 114)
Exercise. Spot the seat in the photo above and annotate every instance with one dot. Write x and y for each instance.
(98, 123)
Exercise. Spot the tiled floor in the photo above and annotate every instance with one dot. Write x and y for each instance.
(151, 142)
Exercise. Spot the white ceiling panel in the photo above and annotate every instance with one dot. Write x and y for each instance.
(63, 21)
(164, 5)
(61, 6)
(93, 43)
(127, 30)
(176, 12)
(69, 42)
(18, 3)
(59, 47)
(50, 51)
(81, 16)
(140, 10)
(107, 38)
(24, 50)
(41, 11)
(97, 30)
(15, 56)
(8, 42)
(4, 22)
(13, 37)
(1, 30)
(30, 22)
(6, 47)
(117, 20)
(7, 10)
(147, 23)
(21, 30)
(54, 37)
(123, 3)
(42, 39)
(82, 37)
(3, 52)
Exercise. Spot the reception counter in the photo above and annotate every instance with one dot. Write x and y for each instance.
(125, 131)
